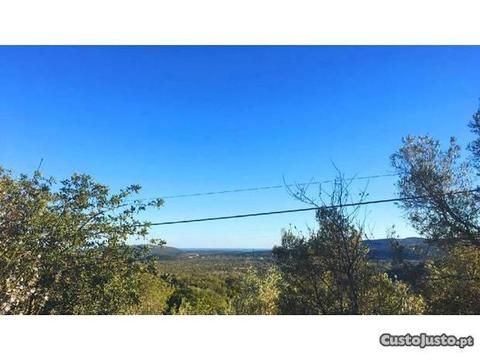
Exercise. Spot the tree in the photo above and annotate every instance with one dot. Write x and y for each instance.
(258, 294)
(398, 250)
(474, 146)
(382, 295)
(409, 272)
(442, 203)
(453, 282)
(437, 190)
(154, 295)
(327, 271)
(202, 302)
(187, 298)
(63, 246)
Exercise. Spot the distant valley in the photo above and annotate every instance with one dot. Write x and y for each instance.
(380, 249)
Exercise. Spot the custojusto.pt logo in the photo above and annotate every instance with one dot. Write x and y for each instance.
(423, 340)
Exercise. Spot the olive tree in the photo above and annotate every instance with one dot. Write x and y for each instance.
(436, 186)
(440, 187)
(442, 201)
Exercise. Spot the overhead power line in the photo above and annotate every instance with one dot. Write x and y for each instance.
(267, 213)
(260, 188)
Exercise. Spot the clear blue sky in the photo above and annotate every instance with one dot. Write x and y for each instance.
(192, 119)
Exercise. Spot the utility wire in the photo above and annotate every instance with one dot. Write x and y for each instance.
(360, 203)
(259, 188)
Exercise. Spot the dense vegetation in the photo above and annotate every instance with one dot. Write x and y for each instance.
(64, 250)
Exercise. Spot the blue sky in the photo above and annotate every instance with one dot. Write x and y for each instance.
(192, 119)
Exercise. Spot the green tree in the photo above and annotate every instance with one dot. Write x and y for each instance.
(154, 295)
(328, 272)
(63, 246)
(258, 294)
(324, 269)
(438, 188)
(384, 296)
(474, 146)
(203, 302)
(453, 282)
(188, 299)
(444, 206)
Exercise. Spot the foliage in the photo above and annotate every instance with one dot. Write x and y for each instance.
(474, 146)
(328, 272)
(220, 285)
(316, 282)
(188, 299)
(62, 246)
(258, 294)
(202, 302)
(319, 274)
(154, 296)
(410, 272)
(325, 269)
(398, 252)
(210, 284)
(436, 186)
(382, 295)
(443, 204)
(452, 285)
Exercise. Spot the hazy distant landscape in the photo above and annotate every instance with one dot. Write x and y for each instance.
(379, 249)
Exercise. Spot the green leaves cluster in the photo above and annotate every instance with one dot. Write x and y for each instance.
(258, 294)
(63, 246)
(438, 186)
(328, 272)
(453, 282)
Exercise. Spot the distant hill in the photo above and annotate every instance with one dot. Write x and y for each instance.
(164, 252)
(380, 249)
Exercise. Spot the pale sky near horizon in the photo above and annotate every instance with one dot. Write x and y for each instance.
(197, 119)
